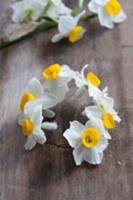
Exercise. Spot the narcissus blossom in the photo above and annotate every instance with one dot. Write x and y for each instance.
(32, 10)
(35, 95)
(56, 79)
(68, 28)
(87, 83)
(31, 127)
(28, 10)
(104, 109)
(109, 11)
(88, 141)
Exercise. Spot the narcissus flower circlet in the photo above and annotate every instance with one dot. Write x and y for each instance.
(88, 140)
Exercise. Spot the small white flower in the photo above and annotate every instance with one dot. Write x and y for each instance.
(68, 28)
(109, 12)
(88, 141)
(103, 110)
(56, 79)
(32, 127)
(57, 9)
(88, 83)
(35, 95)
(28, 10)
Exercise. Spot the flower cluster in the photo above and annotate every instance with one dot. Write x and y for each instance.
(88, 140)
(67, 20)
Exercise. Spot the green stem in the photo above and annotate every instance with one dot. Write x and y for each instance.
(88, 17)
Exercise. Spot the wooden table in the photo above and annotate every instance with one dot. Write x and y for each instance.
(49, 172)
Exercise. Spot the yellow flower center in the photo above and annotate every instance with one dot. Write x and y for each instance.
(113, 7)
(108, 121)
(90, 137)
(27, 127)
(75, 34)
(52, 72)
(93, 79)
(25, 99)
(29, 12)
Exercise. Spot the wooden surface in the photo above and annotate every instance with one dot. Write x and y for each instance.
(49, 172)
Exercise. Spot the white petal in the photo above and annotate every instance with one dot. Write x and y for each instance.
(93, 7)
(74, 134)
(78, 155)
(72, 138)
(105, 19)
(83, 72)
(77, 127)
(94, 92)
(65, 75)
(18, 11)
(52, 12)
(37, 116)
(120, 17)
(63, 10)
(30, 143)
(79, 81)
(55, 89)
(35, 88)
(39, 136)
(102, 145)
(49, 101)
(21, 118)
(93, 112)
(92, 156)
(66, 24)
(101, 2)
(37, 10)
(28, 109)
(17, 6)
(106, 102)
(56, 2)
(110, 109)
(55, 11)
(57, 37)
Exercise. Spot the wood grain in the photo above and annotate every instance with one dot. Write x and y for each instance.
(49, 172)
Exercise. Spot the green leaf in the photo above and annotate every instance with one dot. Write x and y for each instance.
(16, 32)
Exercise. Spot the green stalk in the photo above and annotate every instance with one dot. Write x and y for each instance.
(90, 16)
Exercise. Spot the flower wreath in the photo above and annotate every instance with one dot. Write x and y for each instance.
(88, 140)
(38, 15)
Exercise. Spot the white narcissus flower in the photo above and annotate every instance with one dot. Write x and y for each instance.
(88, 83)
(88, 141)
(31, 127)
(109, 11)
(28, 10)
(56, 79)
(68, 28)
(35, 95)
(104, 109)
(57, 9)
